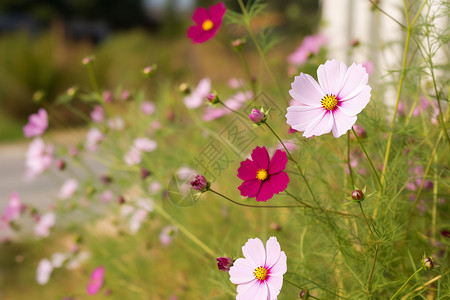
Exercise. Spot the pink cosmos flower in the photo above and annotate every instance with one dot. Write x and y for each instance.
(167, 234)
(39, 158)
(107, 96)
(424, 103)
(93, 138)
(259, 275)
(45, 223)
(96, 281)
(97, 114)
(263, 177)
(198, 95)
(333, 103)
(37, 124)
(235, 103)
(148, 107)
(207, 21)
(13, 209)
(116, 123)
(43, 271)
(136, 220)
(68, 188)
(145, 144)
(311, 45)
(133, 156)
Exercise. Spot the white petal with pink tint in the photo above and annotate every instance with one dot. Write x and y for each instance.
(306, 90)
(331, 76)
(342, 123)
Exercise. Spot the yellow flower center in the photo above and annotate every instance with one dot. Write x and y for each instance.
(329, 102)
(207, 25)
(261, 174)
(260, 273)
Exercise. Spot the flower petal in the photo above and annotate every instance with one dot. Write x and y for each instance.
(254, 250)
(354, 104)
(266, 192)
(242, 271)
(261, 157)
(250, 188)
(278, 182)
(321, 125)
(342, 122)
(256, 290)
(274, 284)
(200, 15)
(306, 90)
(247, 170)
(278, 162)
(216, 13)
(300, 117)
(280, 267)
(356, 76)
(331, 76)
(273, 251)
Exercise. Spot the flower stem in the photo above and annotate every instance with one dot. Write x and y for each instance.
(184, 230)
(367, 222)
(232, 110)
(92, 79)
(348, 160)
(406, 283)
(368, 158)
(296, 164)
(373, 268)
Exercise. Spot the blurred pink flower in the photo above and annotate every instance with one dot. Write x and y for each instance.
(68, 188)
(139, 216)
(148, 107)
(263, 177)
(125, 95)
(107, 196)
(167, 234)
(97, 114)
(236, 83)
(207, 21)
(107, 96)
(235, 103)
(133, 156)
(38, 158)
(116, 123)
(198, 95)
(435, 114)
(93, 138)
(96, 281)
(154, 187)
(37, 124)
(13, 209)
(369, 66)
(145, 144)
(43, 271)
(333, 103)
(44, 224)
(260, 274)
(424, 103)
(311, 45)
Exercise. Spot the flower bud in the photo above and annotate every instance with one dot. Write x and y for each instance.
(427, 263)
(72, 91)
(121, 200)
(357, 195)
(354, 43)
(238, 44)
(149, 71)
(200, 183)
(360, 132)
(304, 294)
(60, 164)
(257, 116)
(224, 263)
(145, 173)
(184, 88)
(213, 98)
(38, 96)
(88, 60)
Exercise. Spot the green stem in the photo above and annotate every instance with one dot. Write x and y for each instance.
(296, 164)
(373, 268)
(92, 79)
(258, 47)
(368, 158)
(348, 160)
(183, 229)
(367, 222)
(232, 110)
(406, 283)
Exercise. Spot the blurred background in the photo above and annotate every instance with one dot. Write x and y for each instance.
(42, 43)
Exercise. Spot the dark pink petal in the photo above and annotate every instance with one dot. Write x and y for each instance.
(331, 76)
(261, 157)
(266, 192)
(216, 13)
(342, 123)
(250, 188)
(278, 182)
(247, 170)
(278, 162)
(307, 91)
(354, 105)
(200, 15)
(300, 117)
(356, 76)
(197, 35)
(321, 125)
(96, 281)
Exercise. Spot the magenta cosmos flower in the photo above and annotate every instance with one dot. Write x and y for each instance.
(37, 124)
(259, 275)
(207, 21)
(263, 177)
(96, 281)
(333, 103)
